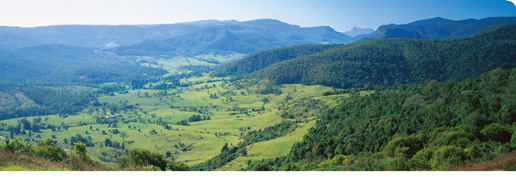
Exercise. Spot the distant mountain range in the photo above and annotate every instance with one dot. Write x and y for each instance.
(94, 36)
(232, 36)
(212, 36)
(439, 28)
(381, 62)
(222, 37)
(102, 53)
(355, 31)
(174, 39)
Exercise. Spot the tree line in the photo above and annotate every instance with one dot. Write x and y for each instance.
(411, 127)
(383, 62)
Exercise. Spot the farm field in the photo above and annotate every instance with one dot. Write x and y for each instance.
(179, 62)
(160, 120)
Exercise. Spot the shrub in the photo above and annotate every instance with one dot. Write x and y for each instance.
(80, 148)
(18, 145)
(513, 140)
(455, 138)
(341, 160)
(290, 167)
(151, 168)
(51, 151)
(484, 150)
(508, 114)
(421, 160)
(308, 166)
(173, 166)
(496, 132)
(145, 158)
(398, 164)
(405, 146)
(447, 156)
(261, 166)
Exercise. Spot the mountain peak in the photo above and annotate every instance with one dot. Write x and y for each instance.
(440, 28)
(432, 20)
(211, 22)
(266, 22)
(355, 31)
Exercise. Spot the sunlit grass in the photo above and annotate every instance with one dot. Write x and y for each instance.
(143, 131)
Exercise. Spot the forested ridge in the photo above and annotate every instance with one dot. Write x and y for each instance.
(396, 104)
(411, 127)
(40, 100)
(264, 58)
(439, 28)
(229, 153)
(69, 64)
(387, 62)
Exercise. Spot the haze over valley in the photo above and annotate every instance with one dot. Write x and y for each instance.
(436, 93)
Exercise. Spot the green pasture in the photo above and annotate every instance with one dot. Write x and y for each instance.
(270, 149)
(237, 109)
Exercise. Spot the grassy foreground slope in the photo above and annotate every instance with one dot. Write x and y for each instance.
(15, 161)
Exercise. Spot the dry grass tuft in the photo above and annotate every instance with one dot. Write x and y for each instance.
(10, 158)
(495, 164)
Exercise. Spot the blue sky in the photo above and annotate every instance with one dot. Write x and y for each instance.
(340, 14)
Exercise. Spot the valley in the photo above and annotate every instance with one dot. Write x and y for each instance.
(211, 98)
(149, 118)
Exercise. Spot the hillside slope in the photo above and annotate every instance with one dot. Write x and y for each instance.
(231, 36)
(412, 127)
(439, 28)
(10, 97)
(67, 64)
(94, 36)
(385, 62)
(262, 59)
(183, 38)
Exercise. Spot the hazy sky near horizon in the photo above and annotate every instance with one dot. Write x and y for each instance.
(340, 14)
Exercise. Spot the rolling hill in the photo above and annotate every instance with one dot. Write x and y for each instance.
(385, 62)
(232, 36)
(264, 58)
(68, 64)
(113, 53)
(412, 127)
(180, 38)
(94, 36)
(440, 28)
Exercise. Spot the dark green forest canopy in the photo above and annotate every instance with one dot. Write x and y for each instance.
(264, 58)
(387, 62)
(68, 64)
(472, 118)
(439, 28)
(40, 100)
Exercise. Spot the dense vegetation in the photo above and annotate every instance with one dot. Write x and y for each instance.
(411, 127)
(47, 149)
(389, 62)
(439, 28)
(68, 64)
(151, 161)
(56, 158)
(262, 59)
(38, 101)
(375, 122)
(229, 153)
